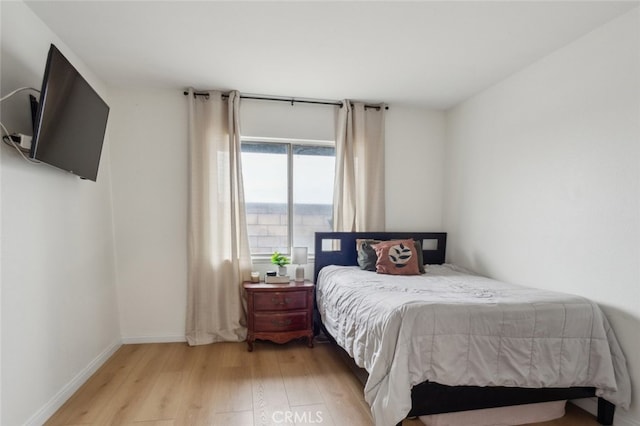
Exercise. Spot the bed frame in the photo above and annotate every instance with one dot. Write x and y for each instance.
(338, 248)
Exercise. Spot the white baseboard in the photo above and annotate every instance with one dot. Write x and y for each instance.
(153, 339)
(620, 418)
(46, 411)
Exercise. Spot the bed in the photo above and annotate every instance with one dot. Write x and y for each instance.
(417, 369)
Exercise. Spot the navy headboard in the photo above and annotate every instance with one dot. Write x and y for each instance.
(340, 247)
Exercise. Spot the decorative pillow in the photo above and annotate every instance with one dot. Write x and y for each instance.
(397, 257)
(367, 256)
(418, 245)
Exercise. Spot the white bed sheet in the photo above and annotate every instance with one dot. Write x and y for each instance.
(455, 328)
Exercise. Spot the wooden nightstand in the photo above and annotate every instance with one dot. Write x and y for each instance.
(279, 312)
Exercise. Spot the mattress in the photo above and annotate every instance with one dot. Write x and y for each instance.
(456, 328)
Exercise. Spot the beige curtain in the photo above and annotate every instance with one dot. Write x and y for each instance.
(359, 194)
(218, 247)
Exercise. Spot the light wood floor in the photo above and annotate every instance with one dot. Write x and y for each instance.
(223, 384)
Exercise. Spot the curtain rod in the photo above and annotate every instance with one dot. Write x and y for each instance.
(292, 100)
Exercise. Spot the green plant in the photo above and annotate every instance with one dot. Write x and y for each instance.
(279, 259)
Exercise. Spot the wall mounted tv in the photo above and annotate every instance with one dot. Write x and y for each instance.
(70, 120)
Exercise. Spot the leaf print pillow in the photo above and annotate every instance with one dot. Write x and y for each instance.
(398, 257)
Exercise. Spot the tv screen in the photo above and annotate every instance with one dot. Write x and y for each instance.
(71, 120)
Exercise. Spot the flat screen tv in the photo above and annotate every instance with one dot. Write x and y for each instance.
(71, 120)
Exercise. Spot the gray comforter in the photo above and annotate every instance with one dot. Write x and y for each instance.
(451, 327)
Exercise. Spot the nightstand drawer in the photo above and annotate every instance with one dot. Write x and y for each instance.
(279, 312)
(280, 301)
(281, 322)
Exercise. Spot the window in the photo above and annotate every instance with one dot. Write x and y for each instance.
(288, 189)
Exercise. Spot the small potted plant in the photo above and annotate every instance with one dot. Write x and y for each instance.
(280, 260)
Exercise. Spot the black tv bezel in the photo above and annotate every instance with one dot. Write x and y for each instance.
(40, 108)
(33, 102)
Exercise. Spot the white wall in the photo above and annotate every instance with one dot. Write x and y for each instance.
(59, 314)
(149, 166)
(414, 169)
(543, 179)
(276, 119)
(149, 173)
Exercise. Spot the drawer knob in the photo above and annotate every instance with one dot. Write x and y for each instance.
(278, 301)
(281, 323)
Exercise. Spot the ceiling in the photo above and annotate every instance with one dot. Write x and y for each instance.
(432, 54)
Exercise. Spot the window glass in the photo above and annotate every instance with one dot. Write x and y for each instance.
(264, 172)
(267, 190)
(313, 175)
